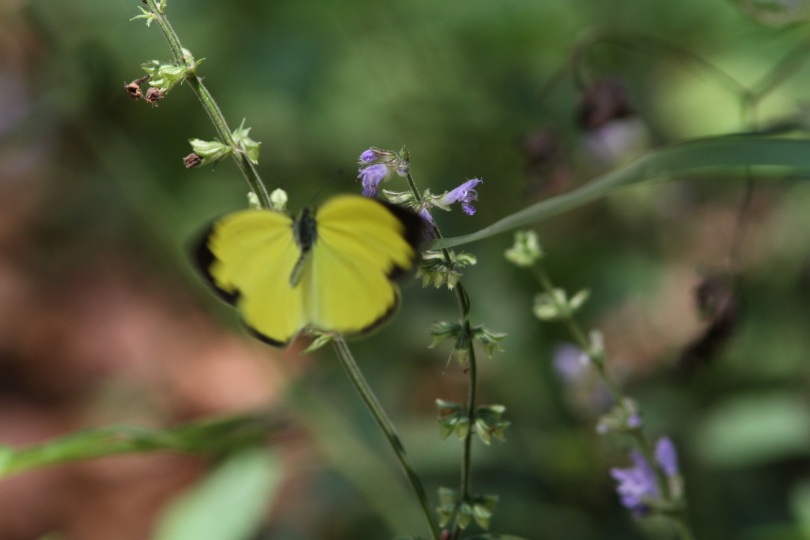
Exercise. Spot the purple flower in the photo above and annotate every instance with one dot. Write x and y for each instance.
(637, 485)
(464, 194)
(368, 156)
(634, 421)
(666, 456)
(371, 177)
(569, 362)
(425, 214)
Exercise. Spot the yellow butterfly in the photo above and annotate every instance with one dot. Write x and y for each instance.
(329, 270)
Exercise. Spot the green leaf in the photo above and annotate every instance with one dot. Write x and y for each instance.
(721, 155)
(800, 504)
(207, 436)
(230, 504)
(755, 429)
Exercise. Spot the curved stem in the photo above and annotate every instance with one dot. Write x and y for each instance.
(208, 103)
(784, 68)
(387, 427)
(639, 42)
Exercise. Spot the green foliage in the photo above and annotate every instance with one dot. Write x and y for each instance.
(230, 504)
(461, 84)
(211, 436)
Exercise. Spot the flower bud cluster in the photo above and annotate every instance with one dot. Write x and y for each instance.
(638, 486)
(443, 330)
(162, 77)
(439, 267)
(478, 509)
(211, 152)
(377, 165)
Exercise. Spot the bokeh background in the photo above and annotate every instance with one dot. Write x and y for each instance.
(103, 321)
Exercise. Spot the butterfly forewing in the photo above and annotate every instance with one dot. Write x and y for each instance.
(252, 253)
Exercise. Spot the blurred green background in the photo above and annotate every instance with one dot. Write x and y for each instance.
(103, 321)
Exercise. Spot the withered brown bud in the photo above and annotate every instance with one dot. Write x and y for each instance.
(192, 160)
(603, 101)
(546, 165)
(133, 90)
(154, 95)
(717, 299)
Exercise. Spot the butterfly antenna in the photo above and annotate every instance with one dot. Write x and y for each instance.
(335, 176)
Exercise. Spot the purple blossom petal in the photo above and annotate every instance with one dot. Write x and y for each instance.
(567, 360)
(637, 484)
(667, 456)
(371, 177)
(464, 194)
(425, 214)
(368, 156)
(634, 421)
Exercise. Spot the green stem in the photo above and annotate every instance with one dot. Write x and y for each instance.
(598, 359)
(207, 436)
(472, 369)
(387, 427)
(210, 106)
(647, 44)
(683, 529)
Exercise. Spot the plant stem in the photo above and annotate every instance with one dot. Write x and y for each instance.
(387, 427)
(210, 106)
(466, 460)
(464, 312)
(598, 359)
(209, 436)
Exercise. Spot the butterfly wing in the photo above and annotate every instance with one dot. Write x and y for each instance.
(361, 244)
(248, 257)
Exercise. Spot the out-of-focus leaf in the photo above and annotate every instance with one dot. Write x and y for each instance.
(755, 429)
(721, 154)
(229, 504)
(800, 503)
(209, 436)
(775, 12)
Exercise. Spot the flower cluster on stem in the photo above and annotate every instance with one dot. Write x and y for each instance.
(458, 508)
(653, 484)
(377, 166)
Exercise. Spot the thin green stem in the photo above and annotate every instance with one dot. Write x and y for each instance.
(465, 488)
(597, 357)
(646, 44)
(208, 436)
(361, 385)
(781, 70)
(682, 528)
(463, 299)
(210, 106)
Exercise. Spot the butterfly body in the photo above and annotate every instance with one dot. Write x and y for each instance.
(330, 269)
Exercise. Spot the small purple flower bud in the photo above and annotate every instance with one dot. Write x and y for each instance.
(425, 214)
(368, 156)
(568, 362)
(634, 421)
(667, 456)
(464, 194)
(371, 177)
(637, 485)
